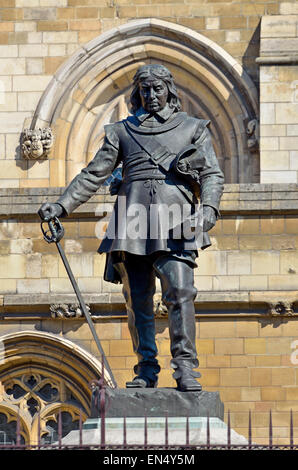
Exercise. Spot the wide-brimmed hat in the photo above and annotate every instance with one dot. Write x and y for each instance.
(188, 163)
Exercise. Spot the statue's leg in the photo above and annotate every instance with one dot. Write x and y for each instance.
(178, 294)
(138, 278)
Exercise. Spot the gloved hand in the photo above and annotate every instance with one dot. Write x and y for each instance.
(209, 218)
(115, 186)
(49, 210)
(183, 165)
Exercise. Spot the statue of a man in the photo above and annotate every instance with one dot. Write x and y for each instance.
(167, 161)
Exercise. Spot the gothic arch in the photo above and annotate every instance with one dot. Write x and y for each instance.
(92, 89)
(42, 375)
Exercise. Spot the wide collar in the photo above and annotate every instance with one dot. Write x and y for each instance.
(161, 116)
(154, 127)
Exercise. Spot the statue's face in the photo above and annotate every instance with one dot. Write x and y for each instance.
(154, 94)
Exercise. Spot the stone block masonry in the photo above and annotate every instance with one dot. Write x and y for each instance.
(250, 362)
(249, 252)
(247, 280)
(38, 36)
(279, 98)
(246, 338)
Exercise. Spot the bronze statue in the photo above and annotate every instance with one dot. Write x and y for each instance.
(168, 161)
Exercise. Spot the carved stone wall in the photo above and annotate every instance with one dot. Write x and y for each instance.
(86, 94)
(69, 66)
(78, 97)
(246, 306)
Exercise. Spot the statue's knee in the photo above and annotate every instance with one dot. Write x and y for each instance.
(178, 295)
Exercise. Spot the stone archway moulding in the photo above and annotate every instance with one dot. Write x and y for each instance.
(42, 375)
(84, 92)
(47, 347)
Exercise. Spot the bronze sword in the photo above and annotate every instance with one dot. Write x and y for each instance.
(57, 232)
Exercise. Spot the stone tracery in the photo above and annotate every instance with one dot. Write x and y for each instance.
(40, 378)
(34, 395)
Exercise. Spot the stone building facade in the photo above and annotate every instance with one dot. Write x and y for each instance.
(65, 72)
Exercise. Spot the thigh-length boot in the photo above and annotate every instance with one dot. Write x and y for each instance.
(178, 294)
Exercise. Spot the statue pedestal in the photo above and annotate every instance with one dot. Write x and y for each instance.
(177, 431)
(157, 402)
(166, 411)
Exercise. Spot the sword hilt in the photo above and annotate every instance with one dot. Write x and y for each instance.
(57, 231)
(55, 228)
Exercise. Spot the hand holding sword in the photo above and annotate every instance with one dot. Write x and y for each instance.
(49, 212)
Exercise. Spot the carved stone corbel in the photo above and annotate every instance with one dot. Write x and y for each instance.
(252, 132)
(67, 310)
(36, 143)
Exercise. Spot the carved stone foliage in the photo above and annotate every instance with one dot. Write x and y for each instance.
(160, 309)
(37, 143)
(279, 305)
(67, 310)
(282, 308)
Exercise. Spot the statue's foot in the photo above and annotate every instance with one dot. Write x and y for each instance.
(188, 384)
(141, 382)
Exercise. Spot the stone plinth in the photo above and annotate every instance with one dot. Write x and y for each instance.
(163, 415)
(177, 432)
(152, 402)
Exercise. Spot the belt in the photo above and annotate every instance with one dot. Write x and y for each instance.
(143, 177)
(150, 182)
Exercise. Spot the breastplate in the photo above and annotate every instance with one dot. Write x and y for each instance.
(174, 135)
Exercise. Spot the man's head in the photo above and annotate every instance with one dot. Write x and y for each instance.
(153, 88)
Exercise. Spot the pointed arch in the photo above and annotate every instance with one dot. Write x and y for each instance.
(89, 89)
(42, 375)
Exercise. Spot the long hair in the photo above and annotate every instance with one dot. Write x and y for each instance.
(160, 72)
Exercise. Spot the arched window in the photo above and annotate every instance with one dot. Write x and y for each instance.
(43, 377)
(8, 428)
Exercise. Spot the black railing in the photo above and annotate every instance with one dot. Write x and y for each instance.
(103, 444)
(101, 402)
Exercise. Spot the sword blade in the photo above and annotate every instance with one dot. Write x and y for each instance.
(85, 311)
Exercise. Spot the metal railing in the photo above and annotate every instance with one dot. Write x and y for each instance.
(99, 390)
(104, 445)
